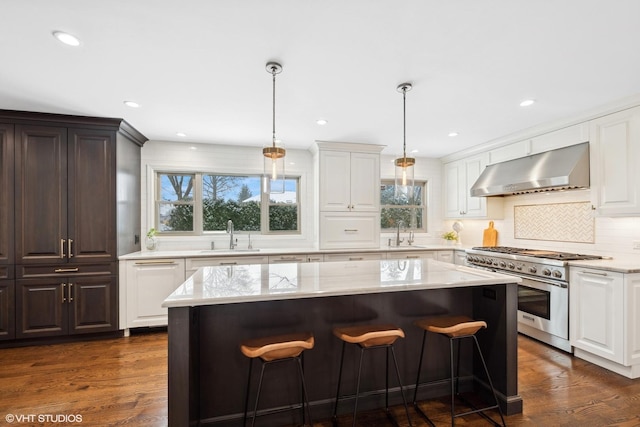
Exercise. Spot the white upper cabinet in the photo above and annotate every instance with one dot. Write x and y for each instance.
(615, 175)
(349, 181)
(349, 195)
(459, 177)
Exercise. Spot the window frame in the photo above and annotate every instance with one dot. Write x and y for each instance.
(198, 203)
(421, 183)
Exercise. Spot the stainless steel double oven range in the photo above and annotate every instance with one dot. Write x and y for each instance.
(543, 295)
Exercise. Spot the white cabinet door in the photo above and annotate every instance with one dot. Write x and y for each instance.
(365, 182)
(615, 175)
(192, 264)
(335, 176)
(445, 256)
(564, 137)
(596, 312)
(632, 319)
(147, 284)
(460, 257)
(354, 256)
(280, 259)
(459, 177)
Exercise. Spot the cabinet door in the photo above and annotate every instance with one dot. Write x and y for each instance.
(474, 206)
(411, 254)
(445, 256)
(365, 182)
(41, 307)
(93, 304)
(453, 175)
(632, 319)
(615, 175)
(6, 194)
(596, 312)
(7, 313)
(148, 284)
(335, 176)
(91, 200)
(41, 195)
(460, 258)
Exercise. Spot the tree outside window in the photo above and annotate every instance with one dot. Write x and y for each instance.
(408, 213)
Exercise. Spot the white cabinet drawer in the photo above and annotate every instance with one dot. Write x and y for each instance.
(192, 264)
(354, 256)
(345, 231)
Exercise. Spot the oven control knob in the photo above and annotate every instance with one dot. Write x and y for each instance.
(546, 272)
(533, 270)
(557, 273)
(503, 264)
(519, 267)
(511, 265)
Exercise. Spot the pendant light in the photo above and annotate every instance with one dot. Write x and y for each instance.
(404, 182)
(274, 153)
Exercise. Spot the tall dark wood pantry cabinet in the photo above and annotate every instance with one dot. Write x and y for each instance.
(76, 208)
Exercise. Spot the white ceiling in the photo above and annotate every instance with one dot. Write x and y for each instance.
(198, 66)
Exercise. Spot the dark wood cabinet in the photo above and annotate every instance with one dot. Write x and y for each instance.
(55, 306)
(6, 195)
(65, 195)
(7, 312)
(71, 207)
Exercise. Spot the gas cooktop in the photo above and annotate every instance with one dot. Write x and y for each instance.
(535, 253)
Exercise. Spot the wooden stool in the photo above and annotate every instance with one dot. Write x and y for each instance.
(369, 337)
(456, 328)
(277, 349)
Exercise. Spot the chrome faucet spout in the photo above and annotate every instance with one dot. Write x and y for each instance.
(398, 239)
(232, 245)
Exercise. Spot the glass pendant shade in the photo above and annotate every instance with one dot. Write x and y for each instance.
(274, 168)
(405, 180)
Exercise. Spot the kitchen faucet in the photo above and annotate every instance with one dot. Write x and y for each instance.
(398, 239)
(230, 231)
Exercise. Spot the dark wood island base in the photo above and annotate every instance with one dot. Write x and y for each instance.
(207, 372)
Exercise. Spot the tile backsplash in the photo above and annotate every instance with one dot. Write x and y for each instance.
(558, 222)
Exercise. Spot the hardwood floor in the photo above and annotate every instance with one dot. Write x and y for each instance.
(124, 382)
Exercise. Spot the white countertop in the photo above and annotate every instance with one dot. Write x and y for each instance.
(276, 251)
(266, 282)
(625, 265)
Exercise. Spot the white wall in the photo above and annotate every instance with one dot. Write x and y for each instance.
(613, 236)
(184, 156)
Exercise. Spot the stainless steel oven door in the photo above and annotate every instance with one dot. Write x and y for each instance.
(544, 305)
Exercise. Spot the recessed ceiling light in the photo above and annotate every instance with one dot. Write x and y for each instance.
(193, 148)
(322, 122)
(132, 104)
(181, 134)
(527, 102)
(452, 134)
(414, 151)
(66, 38)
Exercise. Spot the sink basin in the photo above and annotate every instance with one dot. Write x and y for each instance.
(213, 251)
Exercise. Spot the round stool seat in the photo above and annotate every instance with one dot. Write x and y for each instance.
(277, 347)
(369, 335)
(451, 326)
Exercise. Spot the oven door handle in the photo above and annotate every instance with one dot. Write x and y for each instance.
(563, 285)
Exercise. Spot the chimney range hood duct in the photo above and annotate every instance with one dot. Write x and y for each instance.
(561, 169)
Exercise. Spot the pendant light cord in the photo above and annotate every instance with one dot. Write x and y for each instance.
(273, 138)
(404, 123)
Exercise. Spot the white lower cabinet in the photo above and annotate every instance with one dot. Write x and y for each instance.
(444, 256)
(147, 284)
(603, 319)
(460, 257)
(354, 256)
(192, 264)
(348, 230)
(279, 259)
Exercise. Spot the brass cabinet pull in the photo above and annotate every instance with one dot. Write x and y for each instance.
(593, 273)
(64, 285)
(355, 258)
(413, 257)
(69, 248)
(70, 298)
(155, 263)
(66, 270)
(351, 230)
(62, 254)
(228, 263)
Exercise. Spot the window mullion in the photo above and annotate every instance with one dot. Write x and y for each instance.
(197, 205)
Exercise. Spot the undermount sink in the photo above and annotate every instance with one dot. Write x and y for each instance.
(213, 251)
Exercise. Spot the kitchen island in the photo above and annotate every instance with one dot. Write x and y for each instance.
(217, 307)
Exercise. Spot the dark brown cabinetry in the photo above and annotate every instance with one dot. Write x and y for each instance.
(75, 206)
(7, 312)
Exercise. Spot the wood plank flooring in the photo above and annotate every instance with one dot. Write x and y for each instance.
(123, 382)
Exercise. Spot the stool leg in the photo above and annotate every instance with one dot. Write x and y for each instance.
(386, 381)
(453, 396)
(335, 407)
(255, 409)
(486, 371)
(355, 407)
(415, 392)
(304, 393)
(406, 408)
(246, 398)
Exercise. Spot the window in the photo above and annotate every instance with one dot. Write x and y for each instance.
(408, 213)
(198, 203)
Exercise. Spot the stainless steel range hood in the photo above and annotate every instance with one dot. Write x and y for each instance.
(561, 169)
